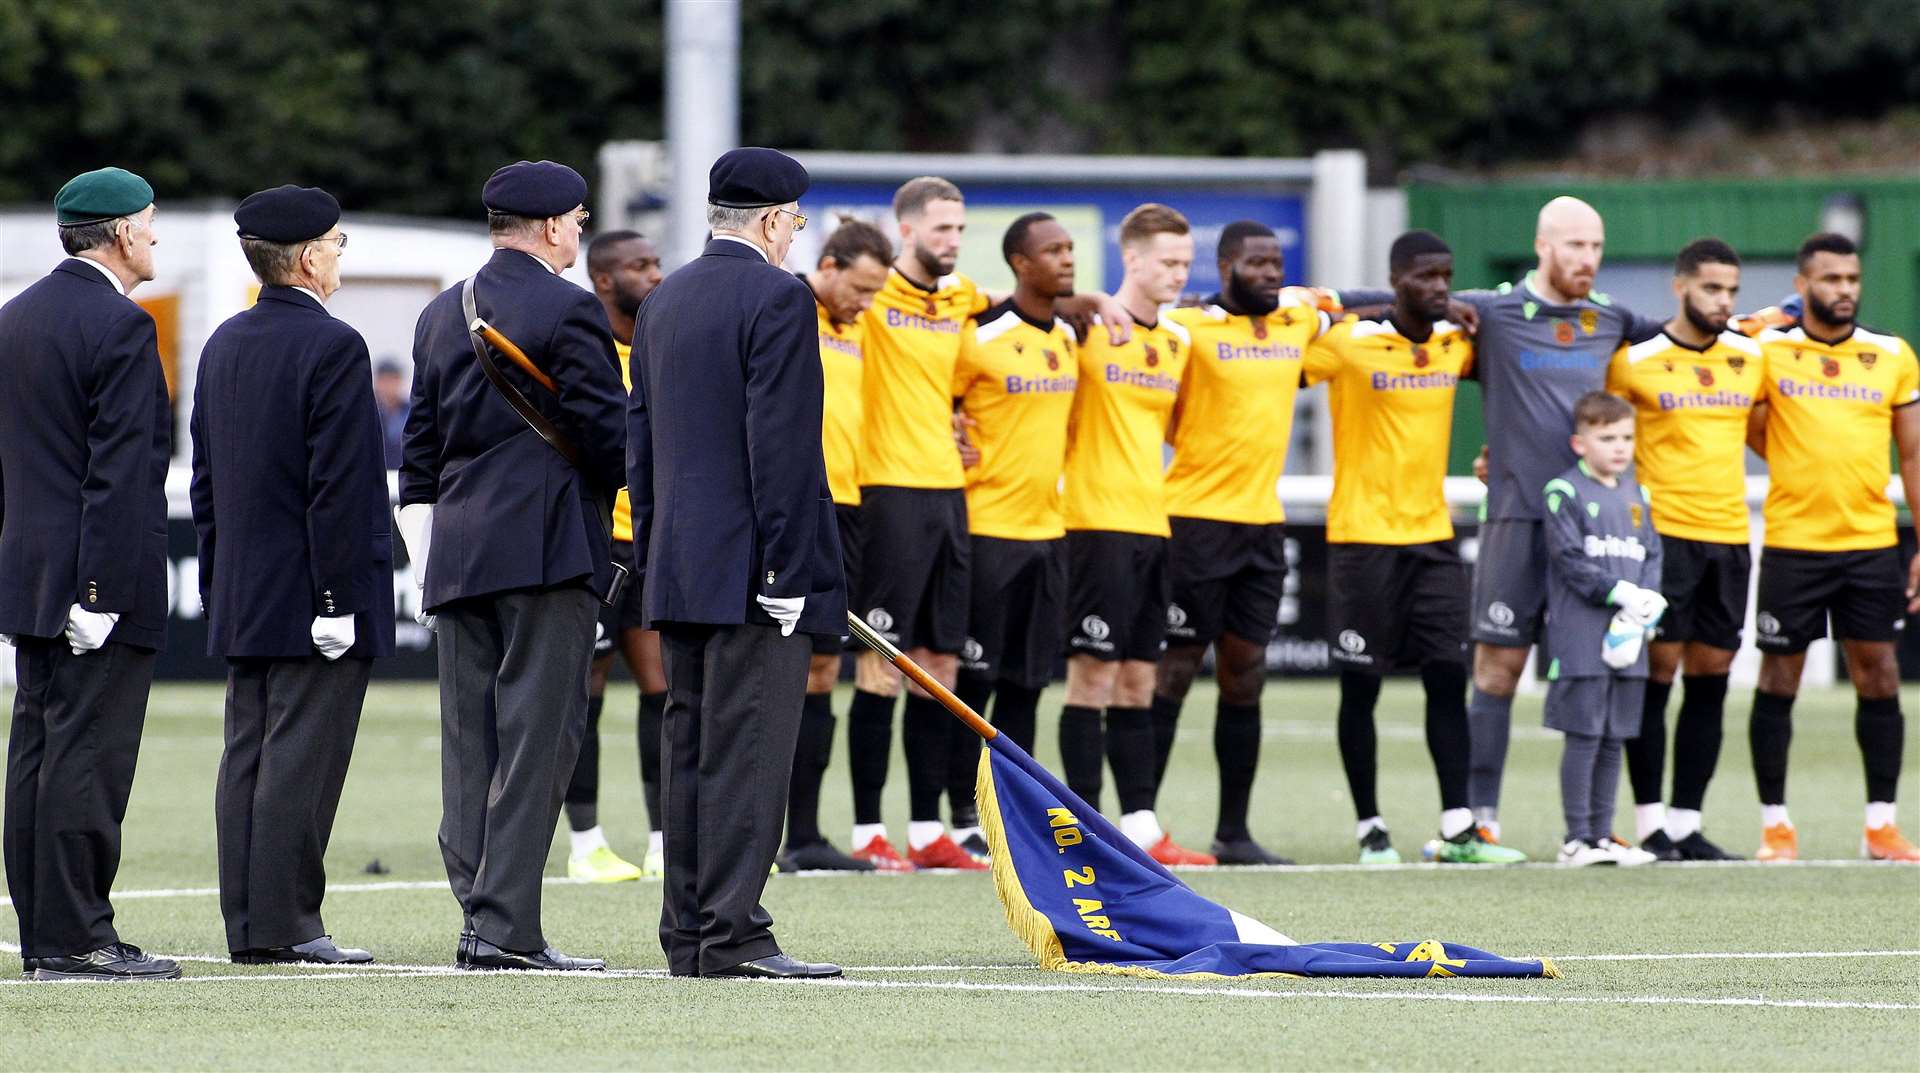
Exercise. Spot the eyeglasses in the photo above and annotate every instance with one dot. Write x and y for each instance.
(581, 217)
(799, 221)
(338, 241)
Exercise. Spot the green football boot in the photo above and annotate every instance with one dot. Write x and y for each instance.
(1377, 848)
(1468, 847)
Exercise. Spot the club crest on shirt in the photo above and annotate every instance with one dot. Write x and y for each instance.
(1737, 363)
(1867, 358)
(1589, 321)
(1635, 510)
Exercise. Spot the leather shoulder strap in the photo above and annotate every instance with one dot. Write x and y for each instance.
(523, 406)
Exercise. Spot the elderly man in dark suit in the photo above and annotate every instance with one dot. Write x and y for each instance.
(296, 570)
(507, 537)
(734, 535)
(85, 431)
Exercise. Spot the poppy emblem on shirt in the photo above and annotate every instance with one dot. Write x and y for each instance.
(1259, 328)
(1153, 356)
(1829, 366)
(1562, 333)
(1867, 358)
(933, 309)
(1704, 375)
(1589, 321)
(1420, 358)
(1053, 360)
(1737, 363)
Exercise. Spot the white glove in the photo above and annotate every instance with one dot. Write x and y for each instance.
(333, 635)
(87, 630)
(784, 609)
(1644, 606)
(1621, 646)
(6, 638)
(415, 522)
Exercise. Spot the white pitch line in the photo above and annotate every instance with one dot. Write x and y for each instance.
(1769, 955)
(448, 973)
(1262, 869)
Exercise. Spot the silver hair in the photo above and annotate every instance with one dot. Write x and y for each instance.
(721, 218)
(79, 238)
(274, 263)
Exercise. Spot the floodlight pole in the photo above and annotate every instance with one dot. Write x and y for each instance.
(703, 112)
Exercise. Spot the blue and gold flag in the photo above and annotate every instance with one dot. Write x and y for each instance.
(1084, 898)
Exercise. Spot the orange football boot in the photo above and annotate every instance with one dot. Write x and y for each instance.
(944, 852)
(1886, 844)
(884, 857)
(1174, 855)
(1779, 842)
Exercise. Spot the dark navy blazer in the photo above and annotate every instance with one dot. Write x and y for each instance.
(289, 483)
(509, 512)
(724, 466)
(85, 433)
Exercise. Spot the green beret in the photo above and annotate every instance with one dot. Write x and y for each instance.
(101, 195)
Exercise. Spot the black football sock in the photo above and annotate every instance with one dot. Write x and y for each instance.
(1647, 753)
(811, 755)
(925, 730)
(869, 751)
(1236, 749)
(1697, 732)
(1130, 752)
(1359, 749)
(1083, 751)
(963, 751)
(1489, 724)
(583, 790)
(1013, 713)
(653, 712)
(1166, 723)
(1769, 734)
(1446, 724)
(1881, 731)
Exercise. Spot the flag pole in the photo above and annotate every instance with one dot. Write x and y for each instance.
(921, 678)
(514, 354)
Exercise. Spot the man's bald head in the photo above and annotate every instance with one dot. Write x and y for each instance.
(1568, 237)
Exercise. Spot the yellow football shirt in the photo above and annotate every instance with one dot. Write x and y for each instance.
(911, 339)
(840, 365)
(1236, 410)
(1016, 379)
(1115, 480)
(1690, 408)
(622, 506)
(1829, 435)
(1392, 405)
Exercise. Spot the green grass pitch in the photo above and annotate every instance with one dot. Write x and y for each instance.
(937, 981)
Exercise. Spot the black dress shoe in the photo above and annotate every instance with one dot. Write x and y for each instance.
(321, 951)
(121, 962)
(777, 967)
(823, 856)
(477, 953)
(1245, 851)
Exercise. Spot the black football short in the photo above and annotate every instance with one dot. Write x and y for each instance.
(1117, 595)
(1705, 585)
(1509, 598)
(1862, 592)
(848, 520)
(1226, 577)
(627, 613)
(1392, 607)
(1018, 617)
(914, 556)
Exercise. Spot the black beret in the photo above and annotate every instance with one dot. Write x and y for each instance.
(534, 189)
(287, 214)
(753, 178)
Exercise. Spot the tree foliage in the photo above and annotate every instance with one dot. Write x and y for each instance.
(406, 107)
